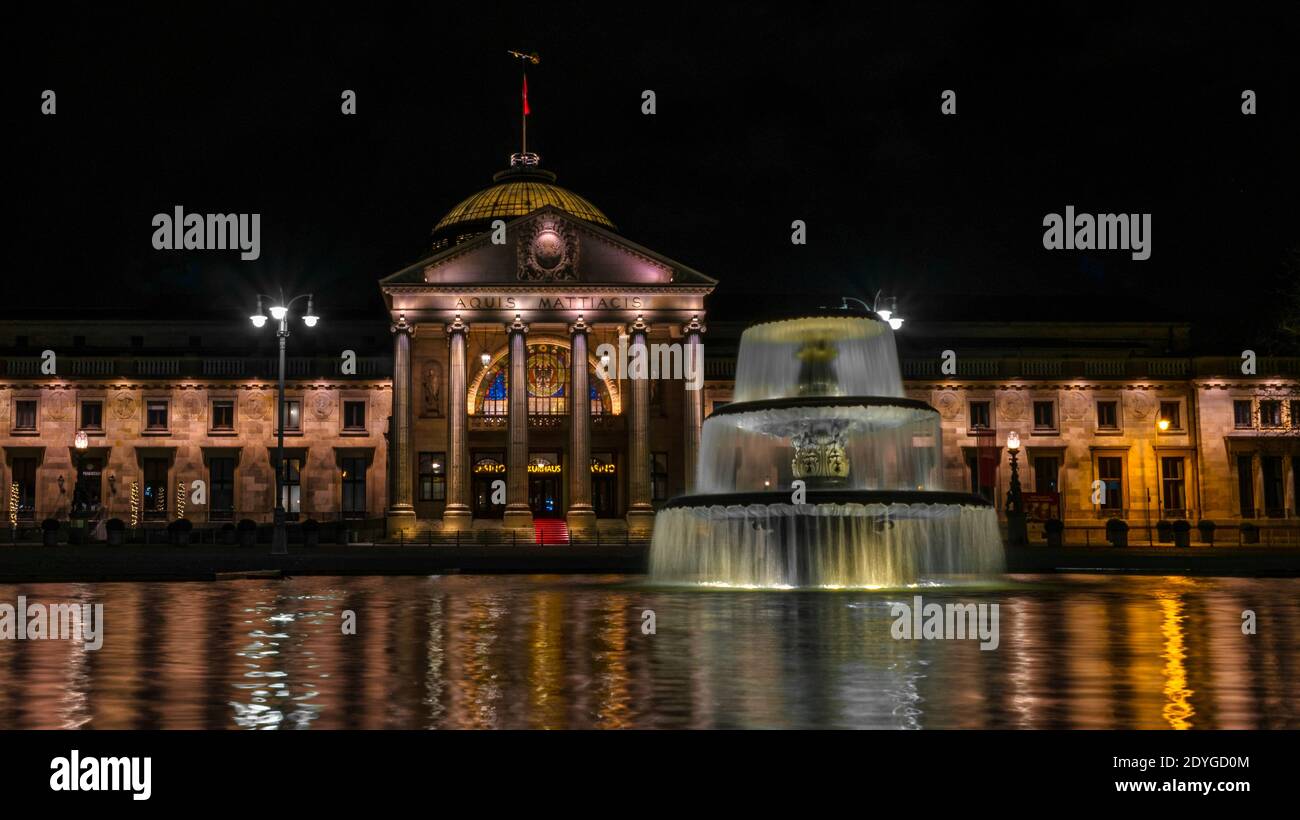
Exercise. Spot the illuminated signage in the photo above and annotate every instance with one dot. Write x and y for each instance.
(544, 468)
(602, 467)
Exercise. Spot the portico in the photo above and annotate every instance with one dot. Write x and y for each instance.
(508, 414)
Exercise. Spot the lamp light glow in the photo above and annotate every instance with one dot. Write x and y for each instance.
(278, 312)
(895, 322)
(485, 358)
(80, 441)
(1163, 424)
(1013, 441)
(310, 318)
(258, 320)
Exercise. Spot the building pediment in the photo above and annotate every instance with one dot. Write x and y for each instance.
(548, 248)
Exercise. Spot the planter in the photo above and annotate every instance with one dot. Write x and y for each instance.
(1207, 531)
(1117, 532)
(1055, 530)
(1182, 534)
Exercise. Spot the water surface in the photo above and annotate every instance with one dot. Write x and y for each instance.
(570, 652)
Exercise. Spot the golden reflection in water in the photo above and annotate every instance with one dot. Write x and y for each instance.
(1178, 710)
(548, 652)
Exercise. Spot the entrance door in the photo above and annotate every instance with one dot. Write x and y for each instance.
(604, 485)
(86, 496)
(487, 469)
(545, 485)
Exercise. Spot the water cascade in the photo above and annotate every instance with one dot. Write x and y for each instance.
(819, 399)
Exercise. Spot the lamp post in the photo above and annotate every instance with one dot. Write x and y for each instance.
(1017, 530)
(280, 313)
(79, 444)
(886, 307)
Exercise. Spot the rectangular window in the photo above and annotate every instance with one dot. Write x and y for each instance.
(1270, 413)
(354, 416)
(223, 416)
(291, 488)
(1246, 485)
(1171, 411)
(24, 475)
(659, 476)
(1241, 413)
(354, 487)
(221, 488)
(292, 416)
(1046, 473)
(1044, 415)
(1274, 486)
(156, 416)
(1107, 415)
(25, 416)
(433, 477)
(1172, 485)
(154, 501)
(92, 416)
(1295, 415)
(1110, 470)
(980, 414)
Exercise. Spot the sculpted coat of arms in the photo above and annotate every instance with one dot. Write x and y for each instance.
(322, 406)
(547, 251)
(124, 406)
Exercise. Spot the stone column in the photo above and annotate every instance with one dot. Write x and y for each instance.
(400, 516)
(640, 513)
(518, 514)
(581, 516)
(693, 400)
(457, 514)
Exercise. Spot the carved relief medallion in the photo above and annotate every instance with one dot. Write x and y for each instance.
(255, 406)
(1011, 406)
(948, 405)
(547, 251)
(1074, 406)
(124, 406)
(1139, 404)
(57, 405)
(322, 405)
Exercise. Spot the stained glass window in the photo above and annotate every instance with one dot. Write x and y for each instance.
(548, 377)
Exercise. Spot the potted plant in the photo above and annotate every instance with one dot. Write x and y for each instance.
(1249, 533)
(310, 533)
(116, 529)
(1182, 533)
(1055, 529)
(228, 534)
(180, 530)
(1117, 532)
(247, 533)
(50, 532)
(1207, 531)
(1164, 532)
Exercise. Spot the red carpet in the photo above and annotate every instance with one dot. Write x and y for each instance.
(551, 530)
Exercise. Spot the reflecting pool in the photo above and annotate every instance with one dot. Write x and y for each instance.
(465, 651)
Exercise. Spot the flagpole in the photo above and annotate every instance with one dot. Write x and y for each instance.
(524, 60)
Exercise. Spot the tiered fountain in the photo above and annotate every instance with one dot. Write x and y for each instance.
(819, 400)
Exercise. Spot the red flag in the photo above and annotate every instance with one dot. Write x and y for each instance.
(527, 111)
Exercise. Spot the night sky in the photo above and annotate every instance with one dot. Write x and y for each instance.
(765, 115)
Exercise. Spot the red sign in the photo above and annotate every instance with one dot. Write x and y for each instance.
(1042, 506)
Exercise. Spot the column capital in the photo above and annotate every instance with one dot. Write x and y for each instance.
(457, 325)
(639, 326)
(517, 326)
(580, 326)
(401, 326)
(694, 326)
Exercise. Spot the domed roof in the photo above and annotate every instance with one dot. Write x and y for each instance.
(520, 190)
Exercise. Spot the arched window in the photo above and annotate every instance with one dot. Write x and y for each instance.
(547, 371)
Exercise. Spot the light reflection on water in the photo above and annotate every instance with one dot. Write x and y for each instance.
(568, 652)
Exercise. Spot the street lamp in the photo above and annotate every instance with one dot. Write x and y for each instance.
(886, 307)
(280, 312)
(1017, 530)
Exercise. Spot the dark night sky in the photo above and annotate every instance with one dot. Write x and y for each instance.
(765, 116)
